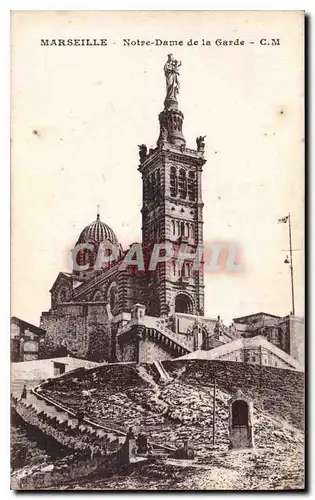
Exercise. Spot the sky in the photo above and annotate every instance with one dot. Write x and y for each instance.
(78, 114)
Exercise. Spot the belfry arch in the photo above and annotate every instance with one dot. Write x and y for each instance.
(184, 304)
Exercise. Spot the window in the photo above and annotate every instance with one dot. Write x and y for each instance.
(98, 297)
(182, 184)
(188, 270)
(173, 182)
(59, 369)
(154, 192)
(112, 296)
(174, 267)
(158, 182)
(149, 189)
(63, 295)
(191, 186)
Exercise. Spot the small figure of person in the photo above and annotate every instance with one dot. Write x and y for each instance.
(24, 392)
(130, 434)
(80, 417)
(142, 443)
(139, 443)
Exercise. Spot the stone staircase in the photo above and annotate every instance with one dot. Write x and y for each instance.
(166, 335)
(63, 425)
(18, 384)
(159, 331)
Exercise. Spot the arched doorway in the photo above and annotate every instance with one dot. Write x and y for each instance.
(239, 413)
(201, 337)
(241, 432)
(183, 304)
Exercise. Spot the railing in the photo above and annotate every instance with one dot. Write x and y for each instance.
(151, 322)
(112, 429)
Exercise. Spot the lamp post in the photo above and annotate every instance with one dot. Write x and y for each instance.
(290, 262)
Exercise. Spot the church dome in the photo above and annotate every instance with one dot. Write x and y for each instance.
(97, 232)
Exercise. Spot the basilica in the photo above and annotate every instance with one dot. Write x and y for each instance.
(118, 313)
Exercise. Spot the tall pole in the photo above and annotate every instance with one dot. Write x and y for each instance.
(291, 266)
(214, 410)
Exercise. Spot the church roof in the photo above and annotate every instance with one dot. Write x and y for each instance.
(97, 231)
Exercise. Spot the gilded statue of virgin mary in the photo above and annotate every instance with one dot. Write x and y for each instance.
(171, 71)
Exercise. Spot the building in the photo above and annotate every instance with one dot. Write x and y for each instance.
(286, 332)
(116, 312)
(26, 340)
(42, 369)
(254, 351)
(133, 305)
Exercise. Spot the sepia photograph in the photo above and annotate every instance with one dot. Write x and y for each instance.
(157, 251)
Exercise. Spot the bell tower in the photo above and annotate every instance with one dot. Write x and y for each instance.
(172, 208)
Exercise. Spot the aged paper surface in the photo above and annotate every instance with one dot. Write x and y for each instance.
(138, 138)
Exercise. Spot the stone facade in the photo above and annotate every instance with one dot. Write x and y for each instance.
(90, 306)
(286, 332)
(253, 351)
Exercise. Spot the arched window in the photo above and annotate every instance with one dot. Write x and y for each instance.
(174, 267)
(112, 296)
(149, 186)
(182, 184)
(173, 227)
(183, 304)
(153, 185)
(188, 270)
(173, 182)
(158, 182)
(63, 294)
(145, 189)
(192, 231)
(98, 297)
(191, 186)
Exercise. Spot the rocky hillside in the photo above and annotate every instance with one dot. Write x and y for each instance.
(129, 395)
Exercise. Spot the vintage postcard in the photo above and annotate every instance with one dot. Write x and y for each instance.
(157, 180)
